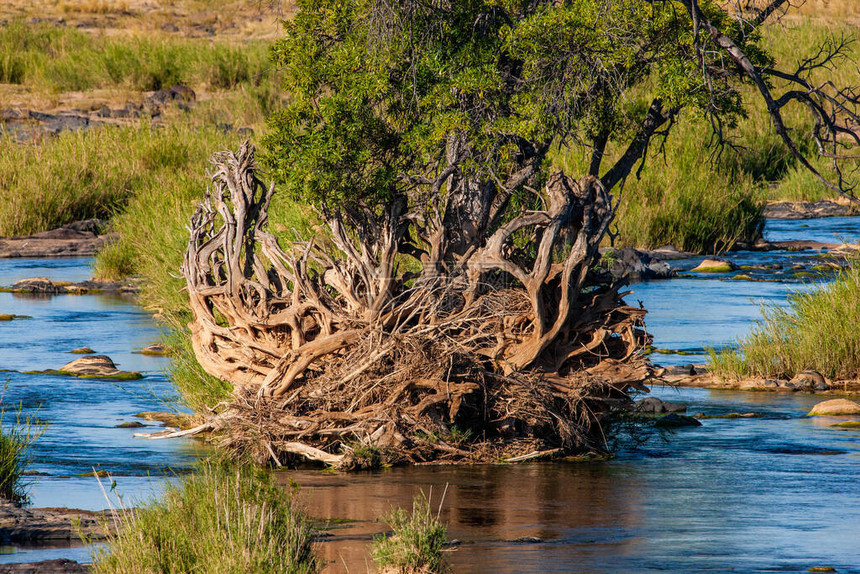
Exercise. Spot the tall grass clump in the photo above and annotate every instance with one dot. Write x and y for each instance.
(16, 438)
(50, 59)
(686, 201)
(217, 520)
(818, 330)
(97, 172)
(415, 545)
(199, 390)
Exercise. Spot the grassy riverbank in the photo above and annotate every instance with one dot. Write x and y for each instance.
(818, 330)
(215, 520)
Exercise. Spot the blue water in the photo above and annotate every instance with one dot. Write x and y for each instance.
(82, 414)
(825, 230)
(691, 313)
(777, 493)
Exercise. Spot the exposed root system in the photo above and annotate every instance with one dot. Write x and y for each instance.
(337, 356)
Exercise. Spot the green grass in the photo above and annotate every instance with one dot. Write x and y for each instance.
(818, 331)
(16, 438)
(216, 520)
(50, 59)
(198, 389)
(684, 197)
(98, 172)
(416, 543)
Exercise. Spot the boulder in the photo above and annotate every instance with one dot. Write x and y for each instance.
(82, 351)
(835, 407)
(156, 350)
(687, 370)
(810, 381)
(96, 367)
(55, 526)
(715, 266)
(634, 265)
(653, 405)
(178, 93)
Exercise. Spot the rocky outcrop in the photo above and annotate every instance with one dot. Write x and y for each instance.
(809, 381)
(633, 265)
(90, 367)
(806, 381)
(836, 407)
(810, 209)
(653, 405)
(45, 286)
(48, 525)
(96, 367)
(56, 566)
(156, 350)
(74, 240)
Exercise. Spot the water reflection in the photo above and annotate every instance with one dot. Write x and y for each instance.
(773, 493)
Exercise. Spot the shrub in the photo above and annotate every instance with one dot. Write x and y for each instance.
(817, 330)
(15, 442)
(415, 545)
(218, 520)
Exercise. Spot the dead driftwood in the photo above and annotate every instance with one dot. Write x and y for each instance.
(487, 348)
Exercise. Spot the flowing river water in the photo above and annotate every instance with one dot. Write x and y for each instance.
(776, 493)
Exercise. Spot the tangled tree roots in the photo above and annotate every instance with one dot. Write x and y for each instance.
(336, 356)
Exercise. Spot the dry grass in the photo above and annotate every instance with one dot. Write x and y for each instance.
(186, 18)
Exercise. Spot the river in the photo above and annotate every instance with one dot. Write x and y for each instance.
(775, 493)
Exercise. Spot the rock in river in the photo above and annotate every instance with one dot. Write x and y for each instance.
(634, 265)
(836, 407)
(156, 350)
(96, 367)
(809, 381)
(82, 351)
(715, 266)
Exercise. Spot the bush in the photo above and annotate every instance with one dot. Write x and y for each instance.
(817, 330)
(217, 520)
(415, 546)
(15, 442)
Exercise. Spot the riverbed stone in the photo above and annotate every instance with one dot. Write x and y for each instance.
(714, 265)
(653, 405)
(156, 350)
(47, 525)
(634, 265)
(39, 285)
(55, 566)
(82, 351)
(835, 407)
(810, 381)
(96, 367)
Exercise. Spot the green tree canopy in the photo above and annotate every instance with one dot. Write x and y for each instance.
(387, 94)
